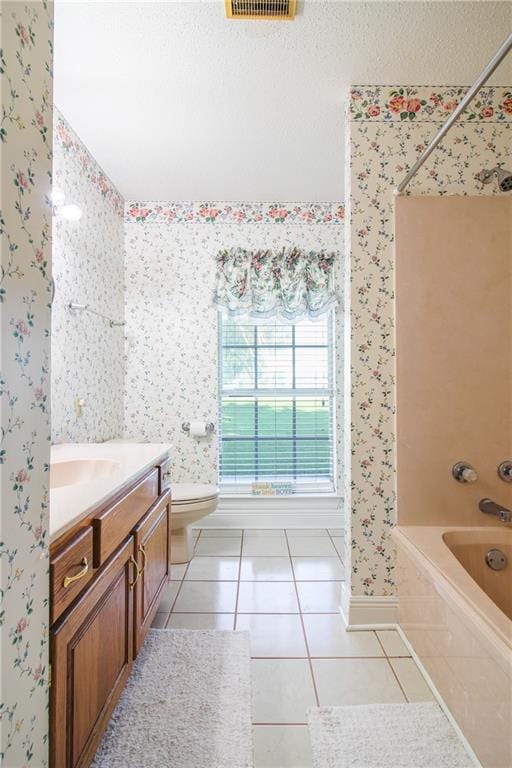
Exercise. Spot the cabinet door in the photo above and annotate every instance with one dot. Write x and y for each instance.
(92, 652)
(152, 553)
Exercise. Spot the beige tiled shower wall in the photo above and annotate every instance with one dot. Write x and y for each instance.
(454, 355)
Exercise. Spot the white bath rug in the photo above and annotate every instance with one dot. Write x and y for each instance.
(385, 736)
(187, 704)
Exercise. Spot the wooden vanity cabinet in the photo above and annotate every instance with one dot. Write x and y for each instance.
(91, 654)
(101, 608)
(152, 551)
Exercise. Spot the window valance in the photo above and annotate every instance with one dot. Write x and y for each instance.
(290, 283)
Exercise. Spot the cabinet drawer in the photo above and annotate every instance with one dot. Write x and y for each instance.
(71, 567)
(115, 523)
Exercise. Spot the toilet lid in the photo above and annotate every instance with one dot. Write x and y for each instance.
(192, 491)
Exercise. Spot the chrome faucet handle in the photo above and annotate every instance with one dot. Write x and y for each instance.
(490, 507)
(463, 472)
(505, 471)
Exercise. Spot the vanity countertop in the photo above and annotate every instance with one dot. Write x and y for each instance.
(70, 503)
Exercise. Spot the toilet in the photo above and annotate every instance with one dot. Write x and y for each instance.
(190, 502)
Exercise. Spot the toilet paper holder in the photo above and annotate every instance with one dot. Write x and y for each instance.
(210, 427)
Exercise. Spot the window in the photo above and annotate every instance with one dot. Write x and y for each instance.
(276, 404)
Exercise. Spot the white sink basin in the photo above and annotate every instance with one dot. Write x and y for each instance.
(77, 471)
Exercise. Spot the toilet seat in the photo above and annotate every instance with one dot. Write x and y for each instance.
(183, 494)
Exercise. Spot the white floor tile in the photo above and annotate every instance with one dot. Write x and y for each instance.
(282, 746)
(206, 597)
(266, 569)
(319, 596)
(265, 546)
(177, 571)
(235, 533)
(282, 690)
(273, 635)
(213, 569)
(327, 636)
(293, 533)
(318, 569)
(267, 597)
(392, 643)
(201, 621)
(335, 531)
(168, 595)
(411, 680)
(355, 681)
(311, 546)
(251, 533)
(218, 545)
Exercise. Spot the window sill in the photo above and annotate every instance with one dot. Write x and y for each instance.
(287, 496)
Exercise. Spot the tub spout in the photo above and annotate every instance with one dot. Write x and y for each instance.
(491, 508)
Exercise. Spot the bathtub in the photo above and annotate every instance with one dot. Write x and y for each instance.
(456, 614)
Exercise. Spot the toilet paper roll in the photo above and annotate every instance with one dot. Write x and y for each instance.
(198, 429)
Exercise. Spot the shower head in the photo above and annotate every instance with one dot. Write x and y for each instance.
(503, 177)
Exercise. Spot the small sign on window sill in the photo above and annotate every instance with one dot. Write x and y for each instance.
(273, 489)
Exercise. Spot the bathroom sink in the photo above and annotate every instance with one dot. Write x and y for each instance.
(77, 471)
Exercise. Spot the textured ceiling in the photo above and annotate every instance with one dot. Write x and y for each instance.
(178, 103)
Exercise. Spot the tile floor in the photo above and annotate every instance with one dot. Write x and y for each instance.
(283, 587)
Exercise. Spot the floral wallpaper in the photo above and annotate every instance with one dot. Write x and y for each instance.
(171, 345)
(88, 268)
(25, 291)
(387, 128)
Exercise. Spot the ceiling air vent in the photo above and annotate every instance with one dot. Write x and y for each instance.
(260, 9)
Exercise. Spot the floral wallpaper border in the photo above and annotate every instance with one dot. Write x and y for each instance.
(234, 213)
(427, 103)
(71, 145)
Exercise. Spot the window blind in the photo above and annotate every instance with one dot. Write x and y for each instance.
(276, 404)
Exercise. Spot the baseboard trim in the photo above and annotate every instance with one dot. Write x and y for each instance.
(289, 512)
(437, 696)
(366, 612)
(260, 519)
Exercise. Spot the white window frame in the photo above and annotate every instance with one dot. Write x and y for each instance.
(302, 485)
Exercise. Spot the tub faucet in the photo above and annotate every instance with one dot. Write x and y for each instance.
(491, 508)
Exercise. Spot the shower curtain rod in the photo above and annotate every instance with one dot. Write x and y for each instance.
(470, 95)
